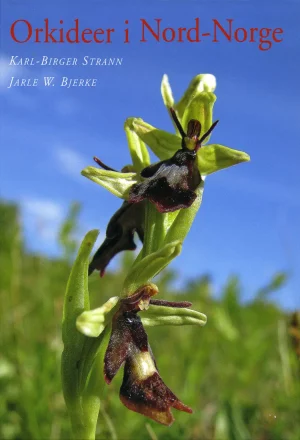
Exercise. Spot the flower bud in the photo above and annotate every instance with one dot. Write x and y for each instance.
(148, 267)
(199, 84)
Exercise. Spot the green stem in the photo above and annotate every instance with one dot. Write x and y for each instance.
(83, 429)
(154, 229)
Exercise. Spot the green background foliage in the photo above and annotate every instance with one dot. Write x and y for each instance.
(239, 373)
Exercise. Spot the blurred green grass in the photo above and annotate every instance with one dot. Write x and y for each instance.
(240, 373)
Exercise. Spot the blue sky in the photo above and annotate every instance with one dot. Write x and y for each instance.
(247, 224)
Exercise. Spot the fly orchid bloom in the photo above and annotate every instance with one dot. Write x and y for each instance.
(142, 389)
(171, 183)
(160, 202)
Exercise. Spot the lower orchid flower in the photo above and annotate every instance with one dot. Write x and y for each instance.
(142, 390)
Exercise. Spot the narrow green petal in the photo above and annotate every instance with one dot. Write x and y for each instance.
(200, 83)
(214, 157)
(117, 183)
(138, 150)
(162, 143)
(161, 315)
(146, 269)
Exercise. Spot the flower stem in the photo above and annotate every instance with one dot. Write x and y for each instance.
(154, 229)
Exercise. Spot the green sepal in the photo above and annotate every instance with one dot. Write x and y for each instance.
(92, 322)
(201, 109)
(138, 150)
(161, 315)
(215, 157)
(147, 268)
(162, 143)
(200, 83)
(117, 183)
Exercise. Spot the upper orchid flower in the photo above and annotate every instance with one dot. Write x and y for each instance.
(171, 183)
(196, 103)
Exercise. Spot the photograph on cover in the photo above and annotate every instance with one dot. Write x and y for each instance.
(149, 281)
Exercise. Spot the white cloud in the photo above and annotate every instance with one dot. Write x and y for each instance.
(15, 95)
(48, 209)
(7, 71)
(43, 217)
(70, 162)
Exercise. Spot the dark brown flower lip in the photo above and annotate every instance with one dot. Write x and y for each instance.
(150, 397)
(172, 186)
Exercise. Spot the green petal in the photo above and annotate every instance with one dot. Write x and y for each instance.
(146, 269)
(138, 151)
(201, 109)
(92, 322)
(161, 315)
(214, 157)
(162, 143)
(117, 183)
(200, 83)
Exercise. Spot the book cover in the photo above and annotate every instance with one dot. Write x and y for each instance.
(92, 93)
